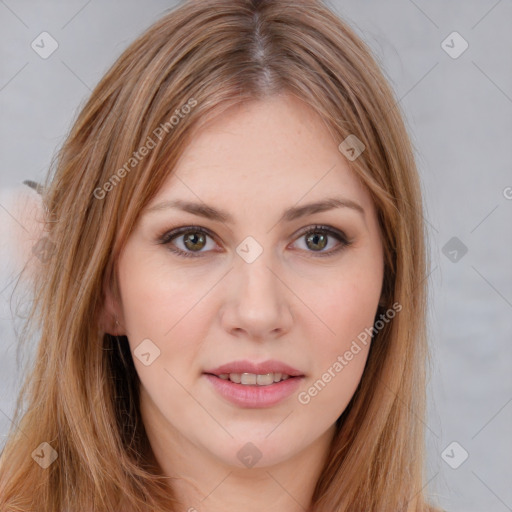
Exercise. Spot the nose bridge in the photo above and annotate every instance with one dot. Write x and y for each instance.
(257, 284)
(258, 303)
(254, 263)
(257, 278)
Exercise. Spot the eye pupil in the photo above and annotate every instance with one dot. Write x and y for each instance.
(314, 238)
(194, 237)
(195, 240)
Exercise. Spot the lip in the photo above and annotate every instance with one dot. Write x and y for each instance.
(254, 397)
(245, 366)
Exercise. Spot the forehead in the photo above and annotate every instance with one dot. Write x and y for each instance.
(263, 154)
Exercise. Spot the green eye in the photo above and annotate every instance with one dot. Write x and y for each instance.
(318, 237)
(195, 238)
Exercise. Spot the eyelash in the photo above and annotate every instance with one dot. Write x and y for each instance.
(168, 236)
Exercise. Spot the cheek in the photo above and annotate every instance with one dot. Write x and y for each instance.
(154, 299)
(168, 308)
(163, 309)
(147, 307)
(348, 301)
(339, 359)
(347, 308)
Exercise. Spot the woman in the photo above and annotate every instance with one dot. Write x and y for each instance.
(232, 313)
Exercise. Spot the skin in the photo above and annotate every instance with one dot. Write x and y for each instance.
(290, 304)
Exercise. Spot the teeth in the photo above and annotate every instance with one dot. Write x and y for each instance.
(235, 377)
(251, 379)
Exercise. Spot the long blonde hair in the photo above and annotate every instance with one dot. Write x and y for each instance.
(81, 396)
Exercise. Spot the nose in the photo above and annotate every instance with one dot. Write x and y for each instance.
(257, 306)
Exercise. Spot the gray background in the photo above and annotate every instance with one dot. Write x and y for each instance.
(459, 113)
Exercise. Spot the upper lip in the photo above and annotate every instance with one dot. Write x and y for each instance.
(244, 366)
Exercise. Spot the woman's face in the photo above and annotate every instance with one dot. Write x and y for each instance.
(251, 283)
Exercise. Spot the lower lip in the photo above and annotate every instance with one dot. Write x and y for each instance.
(254, 396)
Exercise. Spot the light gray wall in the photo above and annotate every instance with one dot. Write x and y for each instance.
(459, 113)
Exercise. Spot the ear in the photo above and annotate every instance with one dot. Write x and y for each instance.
(111, 320)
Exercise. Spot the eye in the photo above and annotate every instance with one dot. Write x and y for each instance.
(317, 238)
(192, 239)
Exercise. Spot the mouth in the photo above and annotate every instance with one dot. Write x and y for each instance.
(253, 379)
(249, 373)
(255, 385)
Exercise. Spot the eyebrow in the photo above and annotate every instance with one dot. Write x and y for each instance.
(289, 215)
